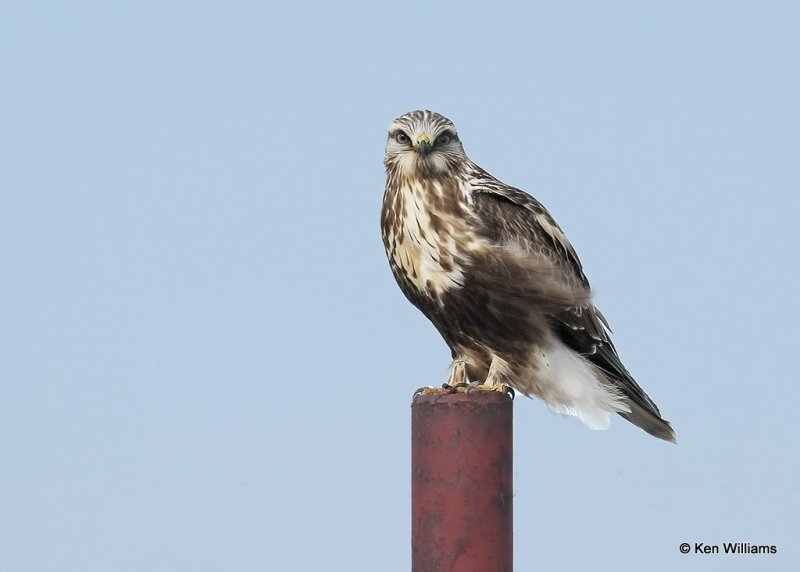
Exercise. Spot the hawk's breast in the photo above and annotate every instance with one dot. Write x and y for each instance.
(426, 234)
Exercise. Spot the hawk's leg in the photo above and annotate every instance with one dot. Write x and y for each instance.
(456, 382)
(458, 376)
(496, 379)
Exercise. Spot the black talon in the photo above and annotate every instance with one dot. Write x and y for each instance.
(453, 388)
(473, 386)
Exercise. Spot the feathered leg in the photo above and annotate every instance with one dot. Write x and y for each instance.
(456, 382)
(495, 379)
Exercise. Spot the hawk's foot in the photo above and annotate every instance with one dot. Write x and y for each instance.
(455, 388)
(501, 388)
(446, 389)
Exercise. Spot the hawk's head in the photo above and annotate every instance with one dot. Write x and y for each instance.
(423, 143)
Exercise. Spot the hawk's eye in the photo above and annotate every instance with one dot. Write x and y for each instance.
(401, 138)
(444, 139)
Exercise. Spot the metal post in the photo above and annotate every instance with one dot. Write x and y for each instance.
(461, 482)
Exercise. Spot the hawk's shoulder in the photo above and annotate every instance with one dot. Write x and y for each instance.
(511, 216)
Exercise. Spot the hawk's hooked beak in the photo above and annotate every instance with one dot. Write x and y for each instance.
(423, 145)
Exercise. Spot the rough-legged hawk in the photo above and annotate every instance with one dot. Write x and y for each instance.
(488, 265)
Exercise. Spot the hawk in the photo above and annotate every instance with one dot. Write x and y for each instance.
(490, 268)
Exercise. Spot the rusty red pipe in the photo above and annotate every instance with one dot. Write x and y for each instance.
(461, 482)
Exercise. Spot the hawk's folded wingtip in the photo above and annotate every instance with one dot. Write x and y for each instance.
(649, 422)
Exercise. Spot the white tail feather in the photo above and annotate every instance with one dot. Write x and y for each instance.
(569, 385)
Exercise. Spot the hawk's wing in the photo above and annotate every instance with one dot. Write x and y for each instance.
(511, 216)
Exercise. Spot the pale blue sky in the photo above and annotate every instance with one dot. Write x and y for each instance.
(205, 363)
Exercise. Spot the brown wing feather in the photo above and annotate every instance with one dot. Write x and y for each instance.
(511, 216)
